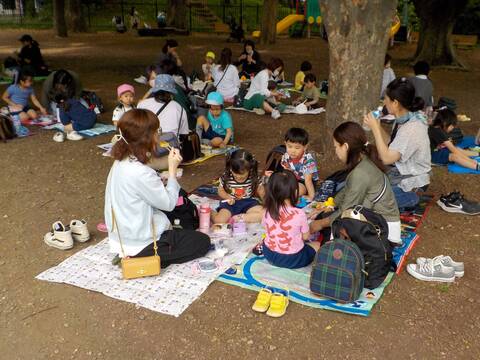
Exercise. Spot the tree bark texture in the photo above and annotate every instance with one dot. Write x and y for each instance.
(358, 38)
(77, 21)
(268, 32)
(437, 18)
(177, 14)
(60, 24)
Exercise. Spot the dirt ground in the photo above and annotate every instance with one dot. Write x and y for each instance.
(43, 181)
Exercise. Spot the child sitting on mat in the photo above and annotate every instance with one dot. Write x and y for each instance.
(300, 162)
(310, 94)
(125, 96)
(217, 127)
(17, 96)
(286, 227)
(238, 188)
(443, 150)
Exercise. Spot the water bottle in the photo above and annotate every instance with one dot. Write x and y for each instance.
(176, 224)
(376, 114)
(204, 217)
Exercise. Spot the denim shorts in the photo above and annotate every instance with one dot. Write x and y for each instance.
(211, 134)
(441, 156)
(240, 206)
(290, 261)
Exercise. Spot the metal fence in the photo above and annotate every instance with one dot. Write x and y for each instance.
(99, 15)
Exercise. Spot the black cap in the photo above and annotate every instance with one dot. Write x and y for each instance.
(25, 38)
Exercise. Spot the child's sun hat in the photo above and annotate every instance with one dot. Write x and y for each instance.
(210, 54)
(214, 98)
(124, 88)
(164, 82)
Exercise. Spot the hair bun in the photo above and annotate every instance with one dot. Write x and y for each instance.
(417, 104)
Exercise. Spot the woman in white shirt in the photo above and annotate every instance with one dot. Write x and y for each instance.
(258, 91)
(171, 115)
(225, 76)
(136, 196)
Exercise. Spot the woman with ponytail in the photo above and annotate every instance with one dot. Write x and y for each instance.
(408, 146)
(366, 180)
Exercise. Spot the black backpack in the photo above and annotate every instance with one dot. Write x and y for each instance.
(331, 185)
(274, 158)
(369, 231)
(93, 100)
(7, 130)
(187, 213)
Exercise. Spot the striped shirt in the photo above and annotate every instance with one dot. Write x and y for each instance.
(239, 190)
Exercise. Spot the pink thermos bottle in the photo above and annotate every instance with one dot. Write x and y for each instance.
(204, 215)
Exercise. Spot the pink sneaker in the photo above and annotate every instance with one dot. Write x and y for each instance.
(102, 227)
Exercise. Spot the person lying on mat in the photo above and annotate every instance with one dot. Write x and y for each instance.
(408, 146)
(366, 183)
(137, 197)
(443, 150)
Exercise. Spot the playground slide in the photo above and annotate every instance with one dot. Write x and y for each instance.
(395, 27)
(284, 24)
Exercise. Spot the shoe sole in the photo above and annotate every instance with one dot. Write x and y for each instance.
(57, 246)
(275, 315)
(259, 310)
(81, 239)
(454, 210)
(426, 278)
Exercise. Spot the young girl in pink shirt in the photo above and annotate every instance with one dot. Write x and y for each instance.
(285, 225)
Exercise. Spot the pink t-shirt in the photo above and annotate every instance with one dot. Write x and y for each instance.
(286, 235)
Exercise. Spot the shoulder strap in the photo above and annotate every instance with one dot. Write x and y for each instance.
(382, 192)
(163, 107)
(224, 73)
(180, 122)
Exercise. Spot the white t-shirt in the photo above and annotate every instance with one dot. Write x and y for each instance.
(171, 118)
(119, 111)
(388, 77)
(259, 85)
(229, 85)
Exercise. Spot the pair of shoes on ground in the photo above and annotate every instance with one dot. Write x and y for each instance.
(62, 236)
(72, 135)
(455, 202)
(272, 301)
(275, 113)
(440, 268)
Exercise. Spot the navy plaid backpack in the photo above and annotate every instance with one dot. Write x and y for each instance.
(338, 271)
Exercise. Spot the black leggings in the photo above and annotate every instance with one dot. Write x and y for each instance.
(178, 246)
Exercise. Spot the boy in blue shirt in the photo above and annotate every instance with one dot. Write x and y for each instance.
(217, 127)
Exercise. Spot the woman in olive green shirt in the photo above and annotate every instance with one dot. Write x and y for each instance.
(365, 181)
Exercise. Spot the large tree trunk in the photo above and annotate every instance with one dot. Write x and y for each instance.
(77, 21)
(177, 14)
(358, 37)
(437, 18)
(268, 33)
(59, 18)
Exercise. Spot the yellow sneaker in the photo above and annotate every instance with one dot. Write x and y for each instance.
(263, 300)
(278, 305)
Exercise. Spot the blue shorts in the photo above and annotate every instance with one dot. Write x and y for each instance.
(290, 261)
(441, 156)
(240, 206)
(211, 134)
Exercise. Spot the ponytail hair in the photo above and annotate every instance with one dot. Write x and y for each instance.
(239, 162)
(402, 90)
(352, 133)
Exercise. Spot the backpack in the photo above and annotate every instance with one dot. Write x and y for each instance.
(338, 271)
(7, 130)
(324, 87)
(190, 146)
(369, 231)
(238, 99)
(186, 212)
(93, 100)
(331, 185)
(274, 158)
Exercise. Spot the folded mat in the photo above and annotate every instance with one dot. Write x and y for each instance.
(98, 129)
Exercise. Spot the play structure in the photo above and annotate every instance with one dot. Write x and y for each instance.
(309, 12)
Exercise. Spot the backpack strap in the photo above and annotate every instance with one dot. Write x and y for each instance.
(382, 192)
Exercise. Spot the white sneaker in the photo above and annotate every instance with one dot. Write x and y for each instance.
(73, 135)
(60, 237)
(59, 137)
(447, 261)
(141, 80)
(79, 230)
(276, 114)
(259, 111)
(431, 270)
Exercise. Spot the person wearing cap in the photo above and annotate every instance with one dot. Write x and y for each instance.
(217, 127)
(171, 115)
(169, 51)
(30, 56)
(126, 97)
(208, 66)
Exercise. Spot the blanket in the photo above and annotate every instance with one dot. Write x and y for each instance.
(98, 129)
(42, 120)
(288, 110)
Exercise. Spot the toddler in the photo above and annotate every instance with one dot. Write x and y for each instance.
(208, 66)
(301, 163)
(310, 93)
(125, 96)
(217, 127)
(305, 67)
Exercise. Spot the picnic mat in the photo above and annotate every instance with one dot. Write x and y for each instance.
(288, 110)
(169, 293)
(458, 169)
(208, 153)
(98, 129)
(5, 80)
(42, 120)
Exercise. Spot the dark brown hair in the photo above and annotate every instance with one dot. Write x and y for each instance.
(282, 186)
(275, 63)
(139, 128)
(239, 162)
(225, 58)
(352, 133)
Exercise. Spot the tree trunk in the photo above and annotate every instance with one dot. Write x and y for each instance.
(77, 21)
(437, 18)
(358, 38)
(177, 14)
(268, 33)
(59, 18)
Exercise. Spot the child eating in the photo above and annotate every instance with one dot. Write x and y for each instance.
(311, 93)
(208, 66)
(301, 163)
(126, 96)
